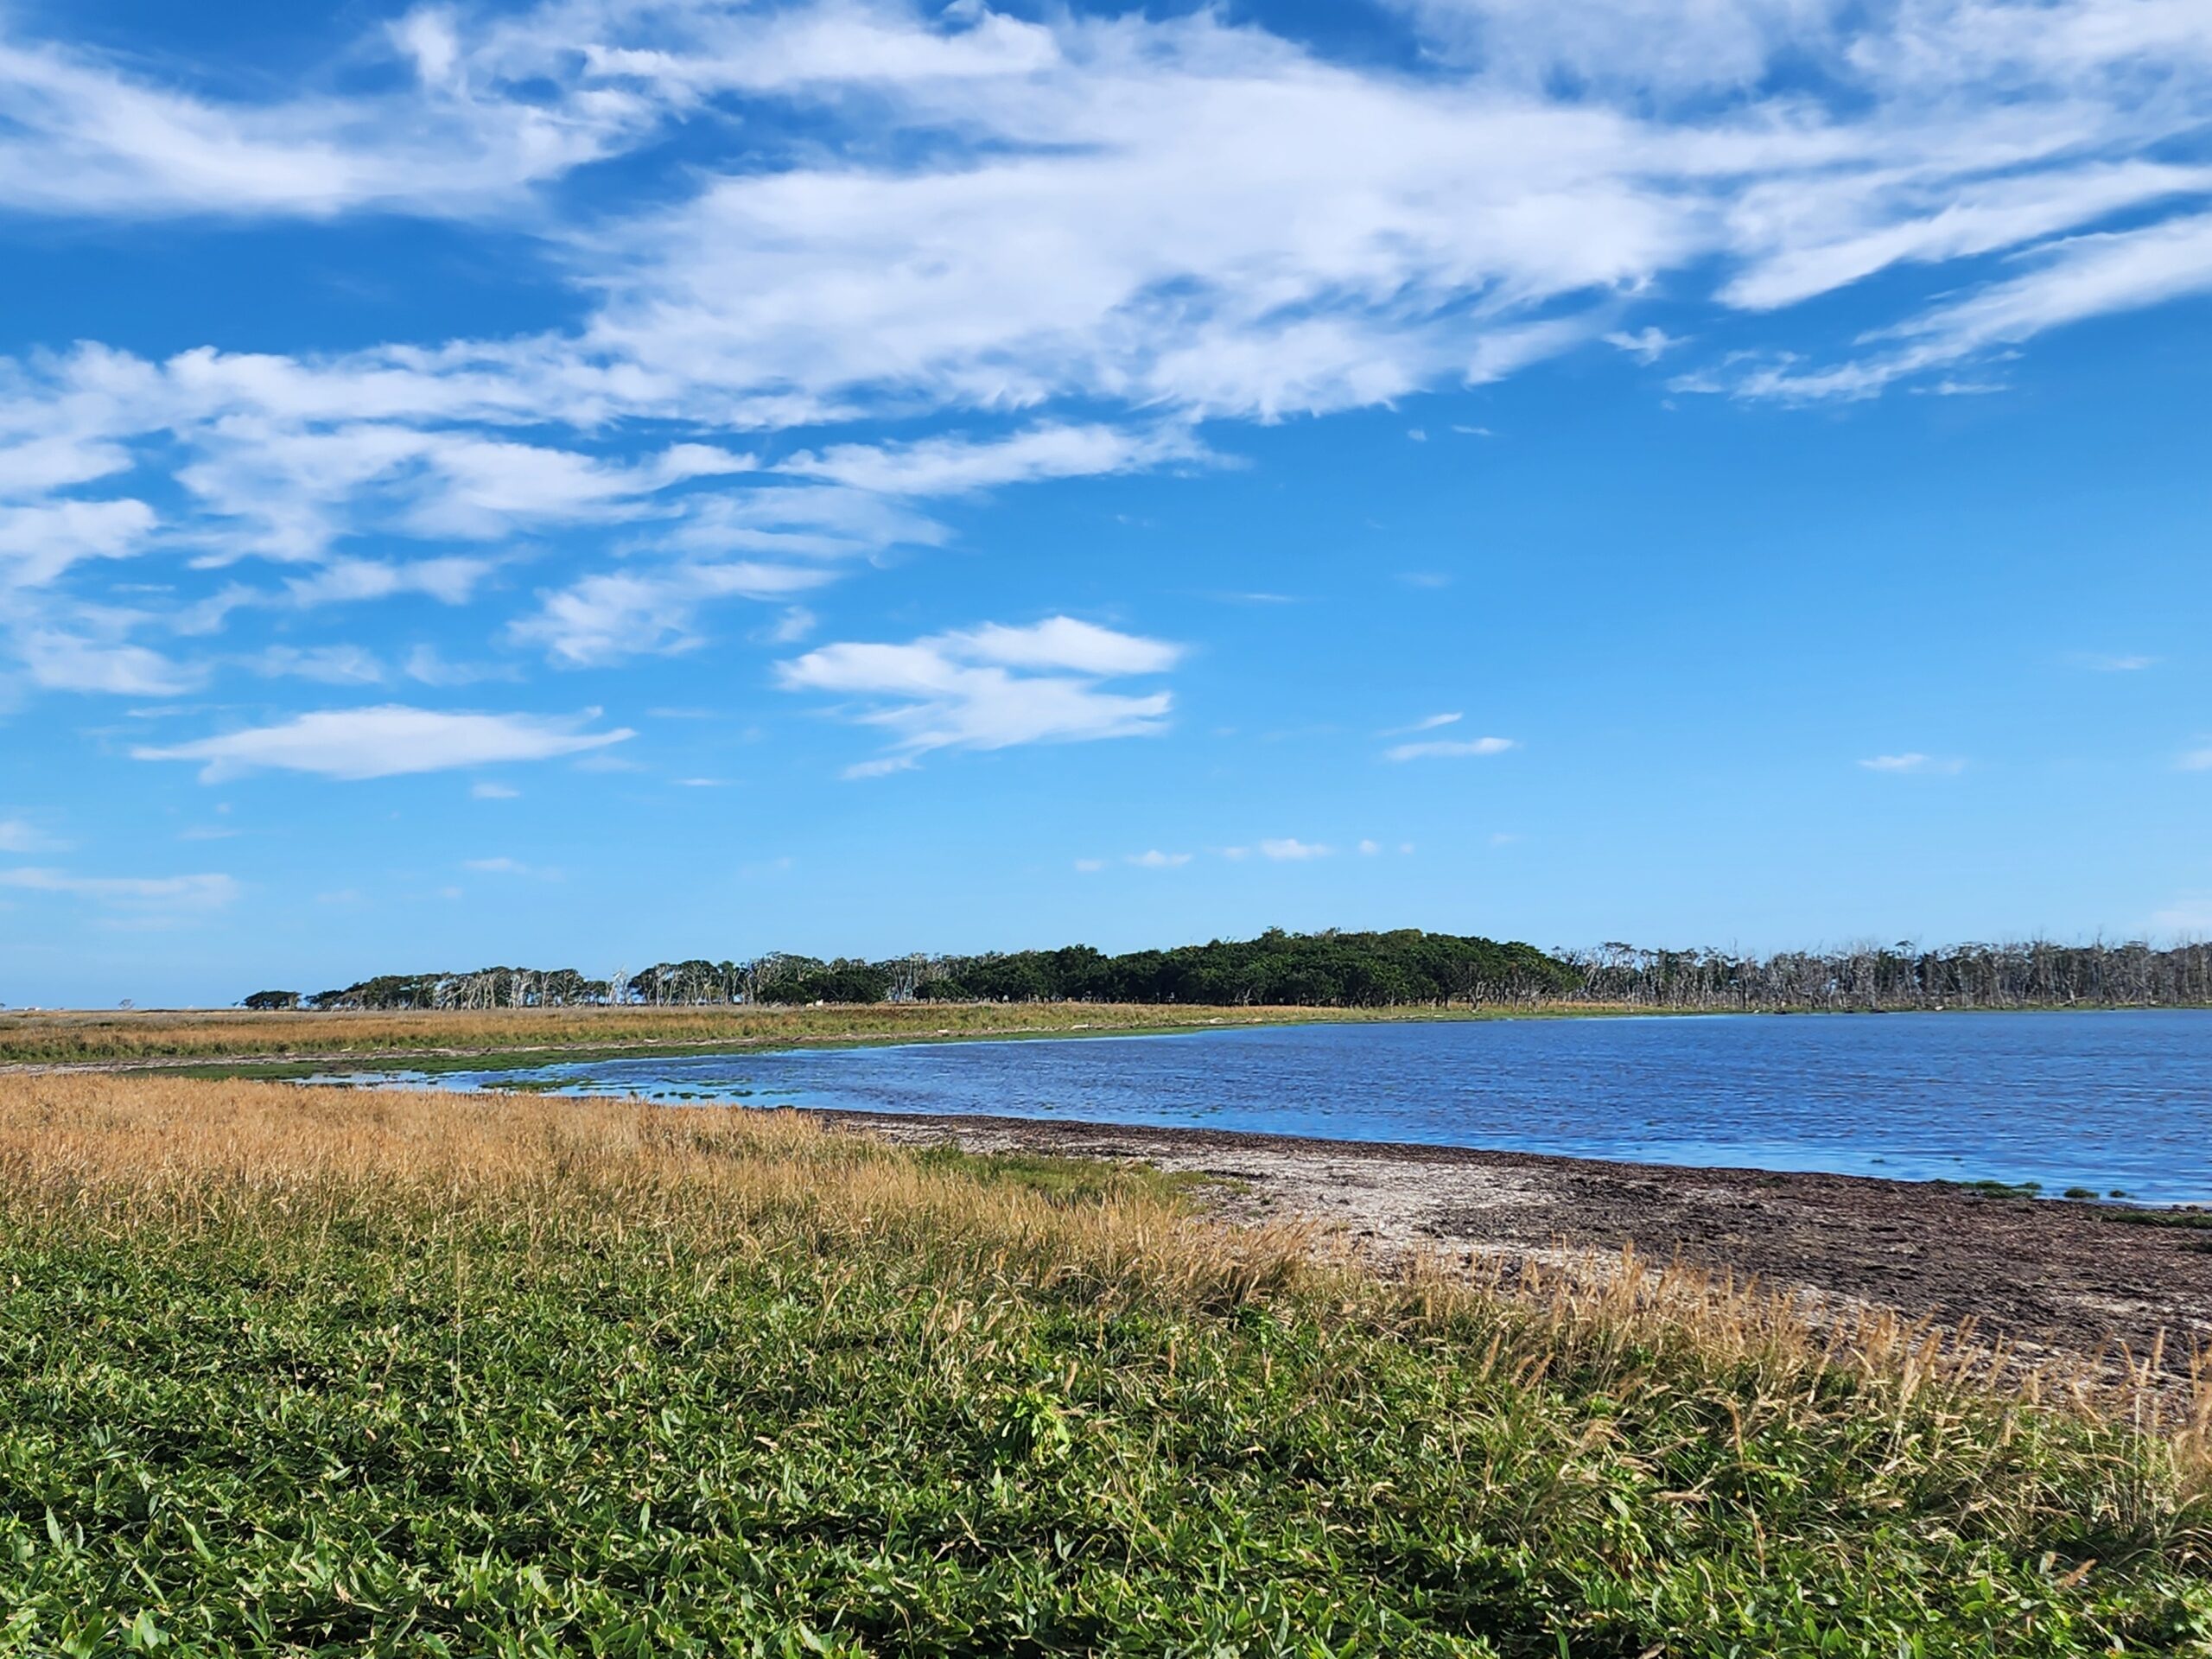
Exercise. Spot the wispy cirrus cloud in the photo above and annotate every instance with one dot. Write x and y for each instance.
(1913, 762)
(1647, 345)
(1446, 748)
(203, 891)
(95, 659)
(992, 687)
(1358, 234)
(955, 466)
(515, 867)
(325, 664)
(385, 742)
(20, 836)
(87, 136)
(604, 617)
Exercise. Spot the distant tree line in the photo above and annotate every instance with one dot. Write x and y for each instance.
(1329, 969)
(1406, 968)
(2034, 974)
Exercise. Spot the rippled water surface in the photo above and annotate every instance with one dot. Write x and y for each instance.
(2103, 1100)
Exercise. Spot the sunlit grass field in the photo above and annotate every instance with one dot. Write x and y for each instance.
(295, 1371)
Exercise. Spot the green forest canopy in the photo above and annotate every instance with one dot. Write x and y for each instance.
(1405, 966)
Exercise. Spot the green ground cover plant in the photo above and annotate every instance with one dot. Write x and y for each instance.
(296, 1371)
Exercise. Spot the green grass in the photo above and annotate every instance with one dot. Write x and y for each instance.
(2196, 1223)
(1070, 1180)
(1993, 1189)
(2187, 1218)
(698, 1394)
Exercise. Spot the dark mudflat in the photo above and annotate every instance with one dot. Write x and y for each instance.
(2043, 1276)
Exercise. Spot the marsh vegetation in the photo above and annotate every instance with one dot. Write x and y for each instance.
(527, 1034)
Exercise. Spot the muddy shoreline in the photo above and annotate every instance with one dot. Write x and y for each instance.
(2046, 1277)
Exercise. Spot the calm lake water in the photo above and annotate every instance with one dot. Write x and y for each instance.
(2105, 1101)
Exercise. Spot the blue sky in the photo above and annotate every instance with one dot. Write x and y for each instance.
(583, 484)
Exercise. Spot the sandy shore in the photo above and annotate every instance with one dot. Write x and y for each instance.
(2046, 1277)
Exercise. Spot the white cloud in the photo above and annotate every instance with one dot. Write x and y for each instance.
(1091, 866)
(602, 619)
(510, 867)
(18, 837)
(488, 791)
(1447, 748)
(1290, 848)
(2196, 760)
(183, 892)
(1426, 724)
(55, 460)
(960, 689)
(1912, 762)
(449, 581)
(1667, 47)
(1062, 642)
(85, 135)
(1812, 235)
(953, 466)
(2068, 281)
(793, 625)
(62, 661)
(485, 488)
(425, 664)
(328, 664)
(2082, 276)
(1356, 235)
(2104, 663)
(39, 542)
(1156, 860)
(883, 767)
(384, 742)
(1369, 849)
(1645, 344)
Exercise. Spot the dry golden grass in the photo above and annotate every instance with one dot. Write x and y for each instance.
(72, 1036)
(143, 1151)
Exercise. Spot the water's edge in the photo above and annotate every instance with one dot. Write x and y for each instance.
(2120, 1109)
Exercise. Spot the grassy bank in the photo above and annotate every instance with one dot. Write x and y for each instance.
(79, 1038)
(231, 1042)
(298, 1370)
